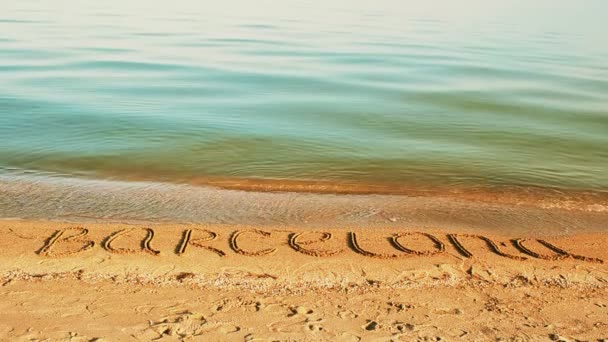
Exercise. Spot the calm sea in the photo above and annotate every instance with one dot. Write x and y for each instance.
(437, 93)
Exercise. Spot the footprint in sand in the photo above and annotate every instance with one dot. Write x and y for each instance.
(300, 310)
(183, 325)
(299, 318)
(395, 307)
(398, 328)
(345, 313)
(228, 304)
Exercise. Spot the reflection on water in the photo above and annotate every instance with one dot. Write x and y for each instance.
(480, 93)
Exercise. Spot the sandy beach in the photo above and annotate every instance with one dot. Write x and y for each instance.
(303, 170)
(65, 281)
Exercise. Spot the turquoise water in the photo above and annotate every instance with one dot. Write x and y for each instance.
(481, 93)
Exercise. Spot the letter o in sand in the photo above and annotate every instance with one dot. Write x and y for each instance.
(439, 246)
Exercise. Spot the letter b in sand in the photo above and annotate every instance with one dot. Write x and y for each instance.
(72, 238)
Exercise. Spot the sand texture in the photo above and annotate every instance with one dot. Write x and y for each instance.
(96, 281)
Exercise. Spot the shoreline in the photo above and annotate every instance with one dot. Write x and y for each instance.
(261, 285)
(497, 193)
(81, 200)
(141, 261)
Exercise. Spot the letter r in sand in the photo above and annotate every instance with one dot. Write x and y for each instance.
(198, 242)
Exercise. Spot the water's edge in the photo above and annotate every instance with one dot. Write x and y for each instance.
(73, 199)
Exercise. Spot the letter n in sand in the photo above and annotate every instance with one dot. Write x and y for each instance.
(559, 253)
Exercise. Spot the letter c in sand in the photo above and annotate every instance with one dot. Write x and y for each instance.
(234, 243)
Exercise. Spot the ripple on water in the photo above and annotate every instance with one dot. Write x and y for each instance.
(370, 94)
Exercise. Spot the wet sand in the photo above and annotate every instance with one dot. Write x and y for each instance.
(83, 281)
(518, 211)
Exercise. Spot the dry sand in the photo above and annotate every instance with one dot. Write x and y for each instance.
(112, 282)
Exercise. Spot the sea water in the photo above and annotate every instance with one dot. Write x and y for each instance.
(433, 93)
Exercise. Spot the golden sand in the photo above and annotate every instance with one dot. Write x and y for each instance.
(98, 281)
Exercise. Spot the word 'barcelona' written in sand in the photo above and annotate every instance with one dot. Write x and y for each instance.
(301, 242)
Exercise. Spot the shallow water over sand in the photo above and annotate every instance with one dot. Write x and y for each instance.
(383, 93)
(519, 213)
